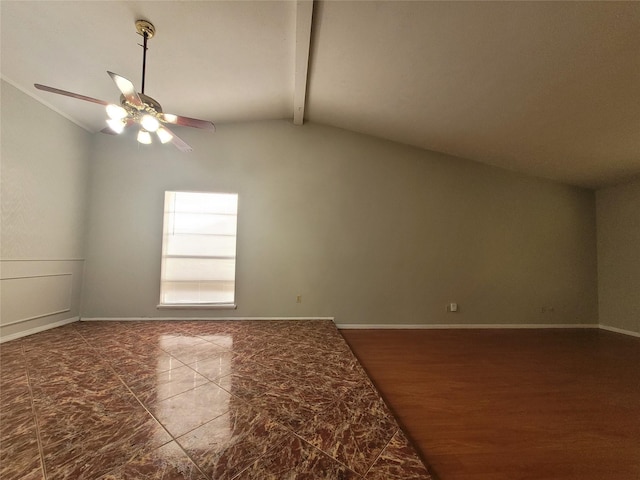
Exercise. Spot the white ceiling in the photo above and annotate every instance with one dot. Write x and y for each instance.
(550, 89)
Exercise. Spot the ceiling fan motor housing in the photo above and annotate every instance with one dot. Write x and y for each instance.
(150, 106)
(143, 26)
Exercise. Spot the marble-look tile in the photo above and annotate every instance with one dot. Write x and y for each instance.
(247, 346)
(295, 459)
(81, 369)
(13, 389)
(230, 443)
(216, 327)
(94, 327)
(353, 430)
(12, 367)
(177, 342)
(293, 405)
(232, 327)
(186, 411)
(311, 333)
(338, 378)
(12, 378)
(107, 339)
(16, 417)
(251, 379)
(153, 331)
(59, 339)
(88, 391)
(216, 366)
(220, 338)
(192, 353)
(138, 350)
(79, 417)
(269, 372)
(291, 349)
(139, 369)
(168, 462)
(71, 364)
(246, 388)
(274, 399)
(9, 350)
(166, 384)
(97, 448)
(20, 457)
(398, 461)
(162, 361)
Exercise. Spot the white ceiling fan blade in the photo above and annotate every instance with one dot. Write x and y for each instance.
(69, 94)
(187, 122)
(127, 89)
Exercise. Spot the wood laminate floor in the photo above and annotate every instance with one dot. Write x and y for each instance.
(512, 404)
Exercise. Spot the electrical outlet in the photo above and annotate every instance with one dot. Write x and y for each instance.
(452, 307)
(299, 299)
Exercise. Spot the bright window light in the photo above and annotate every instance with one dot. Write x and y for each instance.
(199, 249)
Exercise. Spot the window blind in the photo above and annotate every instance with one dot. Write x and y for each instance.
(199, 248)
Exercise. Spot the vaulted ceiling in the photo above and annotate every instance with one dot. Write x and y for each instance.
(550, 89)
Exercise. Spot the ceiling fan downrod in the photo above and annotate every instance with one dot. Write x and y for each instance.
(147, 30)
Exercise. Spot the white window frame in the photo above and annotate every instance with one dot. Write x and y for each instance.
(171, 265)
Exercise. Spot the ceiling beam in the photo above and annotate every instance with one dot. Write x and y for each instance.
(304, 14)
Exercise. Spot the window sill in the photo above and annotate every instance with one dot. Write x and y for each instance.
(197, 306)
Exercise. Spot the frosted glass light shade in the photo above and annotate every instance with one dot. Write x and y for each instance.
(116, 112)
(149, 123)
(116, 125)
(144, 137)
(164, 135)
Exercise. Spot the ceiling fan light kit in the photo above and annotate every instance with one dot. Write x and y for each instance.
(116, 112)
(138, 108)
(144, 137)
(116, 125)
(149, 123)
(164, 134)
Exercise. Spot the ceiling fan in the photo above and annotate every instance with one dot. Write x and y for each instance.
(137, 108)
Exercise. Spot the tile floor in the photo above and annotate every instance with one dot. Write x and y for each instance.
(194, 400)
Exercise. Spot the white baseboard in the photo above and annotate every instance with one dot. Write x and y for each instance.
(421, 326)
(620, 330)
(458, 326)
(152, 319)
(341, 326)
(42, 328)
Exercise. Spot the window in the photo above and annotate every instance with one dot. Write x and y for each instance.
(199, 249)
